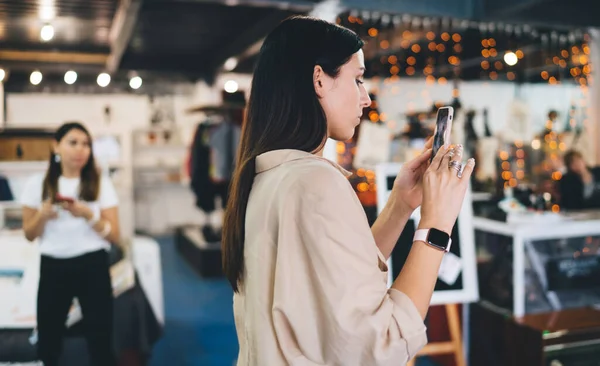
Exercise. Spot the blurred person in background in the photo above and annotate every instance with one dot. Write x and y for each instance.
(72, 211)
(580, 186)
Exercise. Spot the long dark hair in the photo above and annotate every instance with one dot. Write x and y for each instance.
(89, 185)
(283, 113)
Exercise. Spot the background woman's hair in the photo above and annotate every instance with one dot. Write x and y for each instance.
(570, 157)
(89, 186)
(283, 112)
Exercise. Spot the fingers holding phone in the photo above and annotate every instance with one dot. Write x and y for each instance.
(444, 189)
(47, 211)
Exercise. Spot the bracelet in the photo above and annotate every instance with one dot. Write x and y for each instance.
(106, 230)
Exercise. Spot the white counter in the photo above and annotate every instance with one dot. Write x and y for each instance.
(531, 226)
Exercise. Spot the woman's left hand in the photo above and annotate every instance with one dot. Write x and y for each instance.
(78, 209)
(408, 184)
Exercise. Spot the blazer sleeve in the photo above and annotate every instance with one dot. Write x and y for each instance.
(331, 303)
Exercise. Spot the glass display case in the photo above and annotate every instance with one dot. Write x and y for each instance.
(539, 263)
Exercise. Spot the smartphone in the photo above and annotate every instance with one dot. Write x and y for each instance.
(60, 199)
(443, 128)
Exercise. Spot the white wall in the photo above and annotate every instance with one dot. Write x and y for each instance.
(396, 99)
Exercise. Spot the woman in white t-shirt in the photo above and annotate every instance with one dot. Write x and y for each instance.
(72, 211)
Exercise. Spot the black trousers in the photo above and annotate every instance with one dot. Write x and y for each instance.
(86, 277)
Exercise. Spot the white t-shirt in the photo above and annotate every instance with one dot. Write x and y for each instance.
(67, 236)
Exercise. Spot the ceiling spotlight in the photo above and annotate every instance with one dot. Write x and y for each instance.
(511, 58)
(35, 78)
(103, 79)
(70, 77)
(2, 75)
(230, 64)
(135, 82)
(47, 33)
(231, 86)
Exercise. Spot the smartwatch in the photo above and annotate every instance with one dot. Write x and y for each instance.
(435, 238)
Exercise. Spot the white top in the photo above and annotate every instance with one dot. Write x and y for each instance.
(68, 236)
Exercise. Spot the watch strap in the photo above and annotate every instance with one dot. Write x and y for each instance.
(423, 235)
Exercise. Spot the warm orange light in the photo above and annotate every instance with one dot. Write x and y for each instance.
(512, 182)
(411, 60)
(442, 81)
(456, 37)
(369, 174)
(440, 47)
(445, 36)
(455, 93)
(494, 75)
(457, 48)
(552, 80)
(394, 70)
(373, 32)
(562, 63)
(492, 42)
(430, 36)
(362, 187)
(520, 174)
(431, 46)
(498, 65)
(374, 116)
(430, 80)
(503, 155)
(384, 44)
(485, 64)
(428, 70)
(520, 163)
(520, 54)
(505, 165)
(340, 147)
(564, 53)
(544, 75)
(555, 208)
(485, 53)
(360, 172)
(485, 43)
(392, 59)
(416, 48)
(410, 71)
(510, 75)
(493, 52)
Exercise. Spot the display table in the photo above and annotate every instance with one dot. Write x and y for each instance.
(523, 263)
(139, 314)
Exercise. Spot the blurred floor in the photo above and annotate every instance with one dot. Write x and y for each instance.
(199, 328)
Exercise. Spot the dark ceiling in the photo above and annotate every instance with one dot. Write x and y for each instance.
(187, 40)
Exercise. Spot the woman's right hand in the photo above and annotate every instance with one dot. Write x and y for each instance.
(47, 211)
(443, 190)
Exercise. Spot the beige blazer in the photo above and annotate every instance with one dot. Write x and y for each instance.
(315, 289)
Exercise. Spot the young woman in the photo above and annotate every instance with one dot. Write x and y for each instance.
(73, 213)
(309, 274)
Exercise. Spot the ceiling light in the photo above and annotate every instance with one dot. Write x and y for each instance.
(47, 33)
(230, 64)
(511, 58)
(70, 77)
(135, 82)
(2, 75)
(35, 78)
(103, 79)
(231, 86)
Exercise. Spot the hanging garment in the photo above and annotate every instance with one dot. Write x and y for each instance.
(212, 162)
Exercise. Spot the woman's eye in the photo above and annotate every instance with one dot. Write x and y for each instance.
(359, 81)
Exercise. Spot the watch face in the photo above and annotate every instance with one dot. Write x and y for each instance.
(438, 239)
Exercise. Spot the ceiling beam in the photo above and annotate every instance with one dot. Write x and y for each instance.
(121, 31)
(248, 42)
(53, 57)
(293, 5)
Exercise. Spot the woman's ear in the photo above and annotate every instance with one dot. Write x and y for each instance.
(318, 75)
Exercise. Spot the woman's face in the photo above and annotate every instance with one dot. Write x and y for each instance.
(74, 149)
(343, 98)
